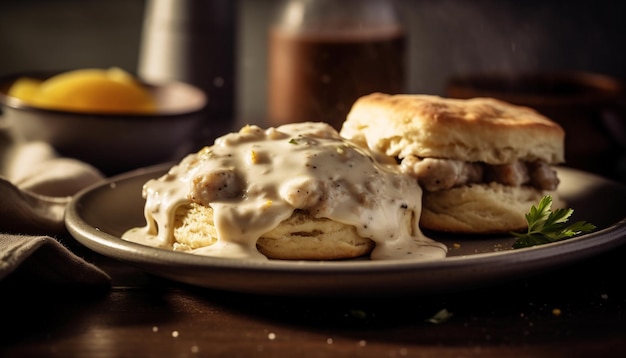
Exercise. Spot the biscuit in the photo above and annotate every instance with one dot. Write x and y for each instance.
(484, 132)
(480, 209)
(474, 130)
(300, 237)
(296, 192)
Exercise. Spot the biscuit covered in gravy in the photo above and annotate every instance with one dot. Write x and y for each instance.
(298, 191)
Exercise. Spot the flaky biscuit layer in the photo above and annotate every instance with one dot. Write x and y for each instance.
(300, 237)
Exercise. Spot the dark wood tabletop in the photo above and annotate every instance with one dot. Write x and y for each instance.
(574, 311)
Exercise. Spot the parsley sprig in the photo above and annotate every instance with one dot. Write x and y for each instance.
(546, 226)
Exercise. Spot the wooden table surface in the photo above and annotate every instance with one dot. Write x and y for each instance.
(576, 311)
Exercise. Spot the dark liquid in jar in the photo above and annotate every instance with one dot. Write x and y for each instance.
(318, 77)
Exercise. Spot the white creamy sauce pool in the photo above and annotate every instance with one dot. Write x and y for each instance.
(256, 178)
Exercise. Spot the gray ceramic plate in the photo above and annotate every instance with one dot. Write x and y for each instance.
(100, 214)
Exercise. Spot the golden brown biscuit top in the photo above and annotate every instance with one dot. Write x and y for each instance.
(479, 129)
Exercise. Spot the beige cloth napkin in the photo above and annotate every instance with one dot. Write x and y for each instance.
(35, 187)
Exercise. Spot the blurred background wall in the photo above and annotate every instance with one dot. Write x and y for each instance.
(446, 37)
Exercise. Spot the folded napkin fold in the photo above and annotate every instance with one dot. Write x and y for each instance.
(35, 187)
(42, 259)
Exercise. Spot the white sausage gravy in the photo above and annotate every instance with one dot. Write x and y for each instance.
(255, 178)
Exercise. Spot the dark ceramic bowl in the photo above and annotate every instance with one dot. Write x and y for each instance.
(111, 142)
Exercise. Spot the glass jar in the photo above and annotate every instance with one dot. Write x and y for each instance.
(325, 54)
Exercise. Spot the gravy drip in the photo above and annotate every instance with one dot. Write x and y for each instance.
(254, 179)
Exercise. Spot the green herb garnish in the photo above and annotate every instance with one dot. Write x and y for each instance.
(546, 226)
(440, 317)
